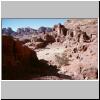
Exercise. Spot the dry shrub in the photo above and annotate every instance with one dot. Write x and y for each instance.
(62, 60)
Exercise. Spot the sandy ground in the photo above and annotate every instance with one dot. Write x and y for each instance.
(50, 51)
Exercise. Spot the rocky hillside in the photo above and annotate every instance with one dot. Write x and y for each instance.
(82, 49)
(75, 52)
(68, 51)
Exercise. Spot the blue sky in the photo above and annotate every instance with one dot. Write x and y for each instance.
(33, 23)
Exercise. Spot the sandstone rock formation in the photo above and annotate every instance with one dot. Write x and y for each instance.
(17, 59)
(60, 29)
(60, 32)
(68, 51)
(42, 41)
(81, 49)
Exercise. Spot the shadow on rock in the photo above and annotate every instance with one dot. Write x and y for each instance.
(44, 71)
(21, 63)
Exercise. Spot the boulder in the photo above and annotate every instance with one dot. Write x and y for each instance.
(90, 73)
(40, 45)
(48, 38)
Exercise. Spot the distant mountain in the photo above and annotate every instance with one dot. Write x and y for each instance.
(7, 31)
(41, 29)
(27, 30)
(44, 29)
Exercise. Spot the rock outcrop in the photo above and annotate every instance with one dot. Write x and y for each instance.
(60, 29)
(42, 40)
(16, 58)
(79, 43)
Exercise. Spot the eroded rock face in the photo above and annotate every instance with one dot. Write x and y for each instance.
(16, 58)
(60, 29)
(43, 40)
(70, 34)
(81, 48)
